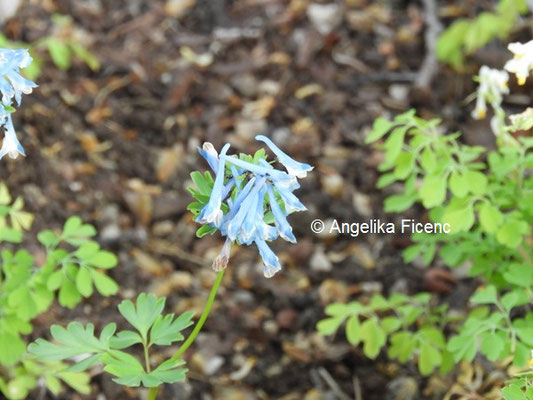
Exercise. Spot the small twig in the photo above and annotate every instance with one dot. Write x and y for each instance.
(430, 64)
(358, 395)
(332, 384)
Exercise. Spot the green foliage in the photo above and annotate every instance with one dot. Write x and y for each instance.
(408, 324)
(73, 263)
(151, 328)
(465, 36)
(486, 197)
(62, 47)
(13, 219)
(519, 388)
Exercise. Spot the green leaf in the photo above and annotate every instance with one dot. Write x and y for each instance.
(429, 359)
(513, 299)
(458, 184)
(87, 250)
(519, 274)
(125, 339)
(492, 345)
(328, 326)
(78, 381)
(428, 160)
(353, 328)
(144, 313)
(85, 55)
(104, 284)
(5, 197)
(379, 129)
(511, 233)
(490, 218)
(399, 203)
(463, 347)
(201, 183)
(450, 42)
(513, 392)
(391, 324)
(85, 363)
(433, 191)
(394, 143)
(127, 369)
(488, 295)
(205, 230)
(53, 384)
(75, 232)
(402, 346)
(73, 341)
(103, 259)
(84, 282)
(168, 372)
(48, 239)
(385, 180)
(459, 214)
(68, 294)
(60, 53)
(476, 181)
(373, 337)
(166, 330)
(404, 165)
(55, 280)
(13, 347)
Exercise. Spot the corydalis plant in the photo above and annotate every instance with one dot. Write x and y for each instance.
(12, 85)
(493, 85)
(522, 63)
(248, 201)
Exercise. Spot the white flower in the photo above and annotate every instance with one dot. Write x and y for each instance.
(492, 87)
(522, 63)
(10, 146)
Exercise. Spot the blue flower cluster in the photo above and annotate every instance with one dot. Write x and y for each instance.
(253, 192)
(12, 85)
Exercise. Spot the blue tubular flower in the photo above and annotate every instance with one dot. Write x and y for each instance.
(292, 204)
(12, 85)
(284, 229)
(258, 169)
(271, 263)
(249, 205)
(293, 167)
(210, 154)
(253, 192)
(11, 145)
(267, 232)
(212, 213)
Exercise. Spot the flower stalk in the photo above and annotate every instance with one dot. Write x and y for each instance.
(152, 393)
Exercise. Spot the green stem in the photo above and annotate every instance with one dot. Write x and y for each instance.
(152, 393)
(146, 358)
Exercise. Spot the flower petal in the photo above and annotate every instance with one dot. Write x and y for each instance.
(212, 213)
(293, 167)
(271, 263)
(210, 154)
(284, 228)
(11, 145)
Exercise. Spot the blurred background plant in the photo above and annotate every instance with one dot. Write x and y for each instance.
(72, 266)
(489, 207)
(63, 45)
(466, 35)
